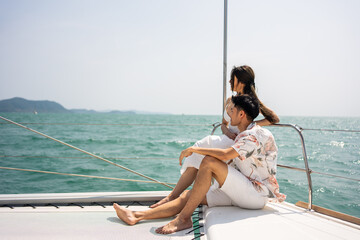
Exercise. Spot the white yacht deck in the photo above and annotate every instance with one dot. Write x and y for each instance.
(99, 221)
(78, 216)
(91, 216)
(90, 222)
(275, 221)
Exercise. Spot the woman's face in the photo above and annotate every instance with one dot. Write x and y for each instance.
(231, 84)
(237, 86)
(229, 107)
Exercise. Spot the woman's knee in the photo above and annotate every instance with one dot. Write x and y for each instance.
(185, 195)
(191, 170)
(205, 142)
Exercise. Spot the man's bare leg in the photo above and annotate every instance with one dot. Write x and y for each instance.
(186, 179)
(210, 167)
(166, 210)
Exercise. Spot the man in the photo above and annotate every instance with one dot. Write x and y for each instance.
(246, 181)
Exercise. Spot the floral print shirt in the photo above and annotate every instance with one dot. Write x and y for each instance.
(257, 159)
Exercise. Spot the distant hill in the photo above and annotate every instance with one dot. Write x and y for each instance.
(122, 112)
(93, 111)
(22, 105)
(82, 111)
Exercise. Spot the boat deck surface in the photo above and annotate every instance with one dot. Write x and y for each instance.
(79, 216)
(275, 221)
(99, 221)
(72, 222)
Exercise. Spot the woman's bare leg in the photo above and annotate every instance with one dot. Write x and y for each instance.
(186, 179)
(166, 210)
(210, 167)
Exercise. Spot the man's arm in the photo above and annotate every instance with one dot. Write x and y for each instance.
(221, 154)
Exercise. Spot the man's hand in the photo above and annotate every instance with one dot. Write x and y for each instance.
(185, 153)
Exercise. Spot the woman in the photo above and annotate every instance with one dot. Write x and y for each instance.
(242, 82)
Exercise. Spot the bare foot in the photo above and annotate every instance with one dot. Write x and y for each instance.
(174, 226)
(125, 214)
(161, 202)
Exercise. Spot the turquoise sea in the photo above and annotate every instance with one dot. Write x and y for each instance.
(151, 144)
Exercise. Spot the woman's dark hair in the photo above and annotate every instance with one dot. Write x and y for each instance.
(246, 75)
(248, 103)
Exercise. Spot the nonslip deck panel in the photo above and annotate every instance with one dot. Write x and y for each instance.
(77, 223)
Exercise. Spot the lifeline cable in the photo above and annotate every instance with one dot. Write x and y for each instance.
(143, 158)
(83, 151)
(112, 158)
(80, 175)
(115, 124)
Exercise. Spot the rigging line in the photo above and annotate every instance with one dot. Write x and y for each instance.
(114, 124)
(330, 130)
(79, 175)
(144, 158)
(279, 165)
(88, 153)
(332, 175)
(119, 158)
(328, 174)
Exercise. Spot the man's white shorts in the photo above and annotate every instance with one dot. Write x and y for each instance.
(237, 190)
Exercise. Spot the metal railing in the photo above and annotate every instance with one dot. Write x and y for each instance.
(307, 169)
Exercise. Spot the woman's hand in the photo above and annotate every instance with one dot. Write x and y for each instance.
(227, 132)
(185, 153)
(230, 134)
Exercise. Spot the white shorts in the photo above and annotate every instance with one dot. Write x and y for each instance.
(194, 160)
(237, 190)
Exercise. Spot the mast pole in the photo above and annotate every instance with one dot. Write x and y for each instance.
(225, 55)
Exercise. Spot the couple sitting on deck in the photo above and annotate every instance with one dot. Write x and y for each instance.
(244, 173)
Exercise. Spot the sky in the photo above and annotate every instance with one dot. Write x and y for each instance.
(167, 56)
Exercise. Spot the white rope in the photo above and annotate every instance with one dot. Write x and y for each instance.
(79, 175)
(115, 124)
(83, 151)
(330, 130)
(113, 158)
(279, 165)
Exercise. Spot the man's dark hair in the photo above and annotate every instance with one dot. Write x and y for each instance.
(248, 103)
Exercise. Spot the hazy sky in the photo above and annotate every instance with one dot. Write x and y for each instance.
(166, 55)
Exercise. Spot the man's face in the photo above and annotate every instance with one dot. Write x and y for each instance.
(235, 115)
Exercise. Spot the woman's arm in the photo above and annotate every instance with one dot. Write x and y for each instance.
(226, 131)
(263, 122)
(270, 116)
(224, 125)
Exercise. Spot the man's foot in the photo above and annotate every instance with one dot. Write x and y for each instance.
(125, 214)
(174, 226)
(161, 202)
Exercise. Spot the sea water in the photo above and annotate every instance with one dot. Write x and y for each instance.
(151, 144)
